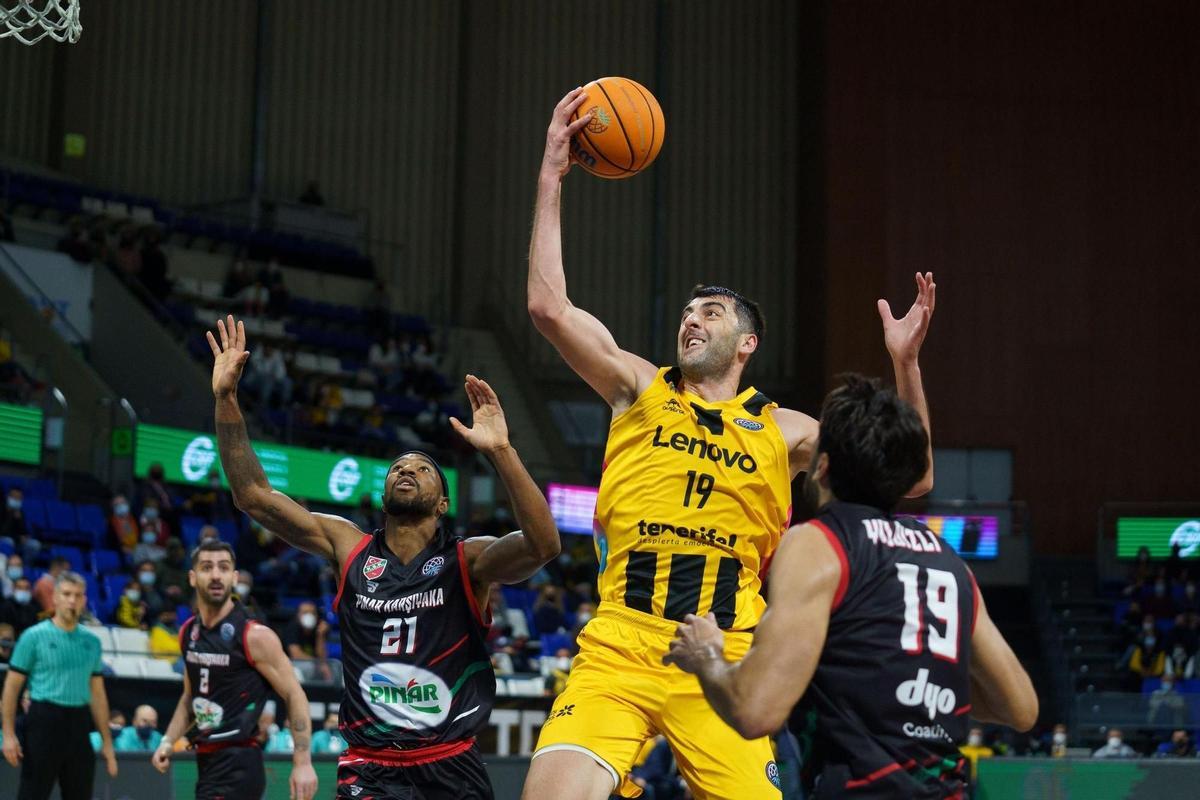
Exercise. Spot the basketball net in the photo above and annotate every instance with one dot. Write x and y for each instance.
(30, 21)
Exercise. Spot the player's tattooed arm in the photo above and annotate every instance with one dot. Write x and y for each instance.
(323, 535)
(267, 651)
(521, 553)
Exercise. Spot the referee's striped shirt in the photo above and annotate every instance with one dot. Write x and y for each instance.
(59, 664)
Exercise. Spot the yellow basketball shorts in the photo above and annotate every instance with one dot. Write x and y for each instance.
(619, 694)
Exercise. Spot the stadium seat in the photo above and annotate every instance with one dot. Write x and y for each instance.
(91, 521)
(130, 641)
(60, 517)
(105, 561)
(114, 585)
(158, 668)
(71, 554)
(124, 666)
(228, 529)
(34, 510)
(6, 548)
(41, 488)
(104, 634)
(551, 642)
(190, 530)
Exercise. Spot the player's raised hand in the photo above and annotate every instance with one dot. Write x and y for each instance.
(557, 159)
(303, 783)
(489, 430)
(231, 355)
(903, 337)
(697, 640)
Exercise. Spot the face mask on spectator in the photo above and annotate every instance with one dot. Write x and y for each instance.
(1160, 589)
(133, 595)
(563, 664)
(1167, 685)
(121, 509)
(1114, 742)
(243, 589)
(6, 644)
(1149, 642)
(308, 620)
(150, 513)
(144, 731)
(22, 596)
(1060, 739)
(1190, 589)
(15, 572)
(583, 617)
(1147, 626)
(149, 536)
(14, 503)
(146, 577)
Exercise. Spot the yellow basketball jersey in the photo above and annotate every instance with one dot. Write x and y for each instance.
(693, 500)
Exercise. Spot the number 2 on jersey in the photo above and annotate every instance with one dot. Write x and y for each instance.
(396, 630)
(941, 599)
(204, 680)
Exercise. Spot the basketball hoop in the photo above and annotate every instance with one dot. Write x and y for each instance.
(58, 19)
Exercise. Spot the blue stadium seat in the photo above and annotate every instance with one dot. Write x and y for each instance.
(91, 521)
(190, 530)
(553, 641)
(333, 649)
(106, 561)
(113, 586)
(228, 529)
(72, 554)
(61, 516)
(42, 488)
(6, 548)
(34, 510)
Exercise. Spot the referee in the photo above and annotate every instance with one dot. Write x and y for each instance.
(62, 664)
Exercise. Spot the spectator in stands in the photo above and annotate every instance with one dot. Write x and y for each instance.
(154, 265)
(385, 360)
(1115, 747)
(548, 614)
(329, 405)
(155, 487)
(43, 590)
(245, 594)
(304, 636)
(14, 568)
(1058, 742)
(278, 296)
(1180, 746)
(116, 724)
(556, 668)
(172, 572)
(312, 195)
(378, 305)
(1149, 659)
(583, 615)
(1190, 601)
(1159, 602)
(8, 638)
(281, 740)
(123, 526)
(127, 257)
(1131, 623)
(164, 636)
(20, 610)
(131, 609)
(329, 738)
(657, 774)
(431, 422)
(364, 515)
(212, 502)
(266, 724)
(237, 279)
(150, 549)
(142, 736)
(975, 749)
(77, 244)
(267, 375)
(146, 572)
(13, 527)
(153, 520)
(1166, 705)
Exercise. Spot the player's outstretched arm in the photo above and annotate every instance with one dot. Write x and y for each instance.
(582, 340)
(756, 695)
(903, 338)
(323, 535)
(1001, 691)
(181, 720)
(518, 555)
(264, 647)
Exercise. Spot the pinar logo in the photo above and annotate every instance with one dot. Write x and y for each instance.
(374, 567)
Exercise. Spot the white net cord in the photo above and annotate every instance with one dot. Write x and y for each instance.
(30, 21)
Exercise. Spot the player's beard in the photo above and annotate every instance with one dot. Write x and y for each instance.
(713, 359)
(411, 507)
(207, 597)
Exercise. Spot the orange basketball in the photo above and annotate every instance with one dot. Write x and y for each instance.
(626, 131)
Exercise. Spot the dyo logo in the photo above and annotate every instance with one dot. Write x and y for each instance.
(198, 456)
(918, 692)
(344, 479)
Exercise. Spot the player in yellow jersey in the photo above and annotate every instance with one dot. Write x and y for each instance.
(694, 497)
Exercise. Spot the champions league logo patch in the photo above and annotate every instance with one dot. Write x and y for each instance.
(433, 566)
(374, 567)
(227, 631)
(773, 774)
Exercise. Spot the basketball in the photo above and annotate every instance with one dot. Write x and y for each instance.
(626, 131)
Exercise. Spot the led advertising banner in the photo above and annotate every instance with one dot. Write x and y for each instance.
(1159, 534)
(334, 478)
(970, 536)
(572, 506)
(20, 434)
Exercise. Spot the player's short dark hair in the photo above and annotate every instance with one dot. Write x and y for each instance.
(875, 441)
(213, 546)
(750, 316)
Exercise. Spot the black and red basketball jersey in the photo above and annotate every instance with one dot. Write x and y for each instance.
(888, 703)
(227, 691)
(416, 665)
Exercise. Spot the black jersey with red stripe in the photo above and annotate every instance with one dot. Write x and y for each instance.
(889, 700)
(227, 691)
(417, 669)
